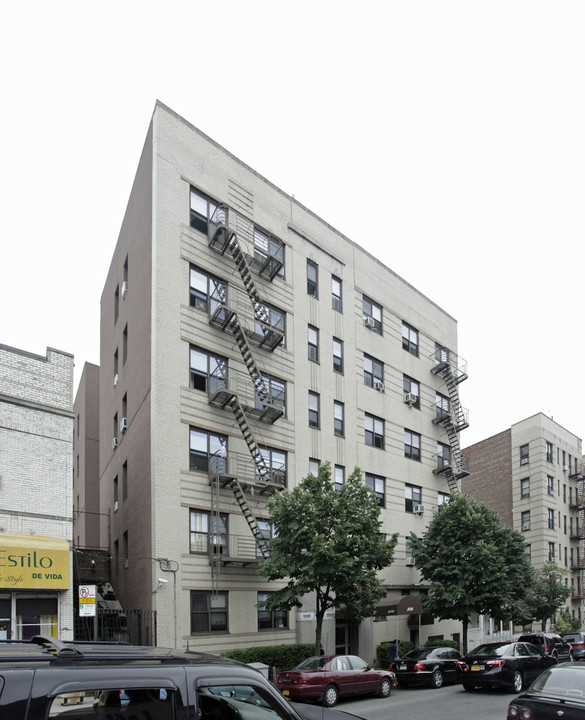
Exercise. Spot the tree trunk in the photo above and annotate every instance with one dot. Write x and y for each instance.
(465, 624)
(318, 630)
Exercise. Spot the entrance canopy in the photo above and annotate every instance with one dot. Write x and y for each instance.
(399, 605)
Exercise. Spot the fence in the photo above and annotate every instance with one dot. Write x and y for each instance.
(134, 626)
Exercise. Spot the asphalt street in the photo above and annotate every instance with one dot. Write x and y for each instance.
(451, 702)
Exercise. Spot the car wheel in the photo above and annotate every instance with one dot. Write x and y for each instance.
(517, 682)
(385, 688)
(330, 696)
(437, 679)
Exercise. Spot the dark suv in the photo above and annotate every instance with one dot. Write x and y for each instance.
(550, 644)
(116, 681)
(577, 641)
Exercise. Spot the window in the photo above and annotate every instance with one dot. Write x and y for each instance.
(374, 429)
(412, 497)
(442, 405)
(337, 355)
(266, 532)
(551, 551)
(201, 210)
(411, 390)
(313, 341)
(528, 550)
(377, 485)
(525, 519)
(115, 489)
(270, 619)
(314, 466)
(312, 279)
(551, 519)
(115, 367)
(525, 487)
(372, 314)
(338, 477)
(125, 480)
(208, 533)
(441, 354)
(442, 499)
(411, 445)
(524, 455)
(209, 612)
(409, 339)
(125, 345)
(207, 372)
(206, 292)
(550, 485)
(268, 253)
(338, 419)
(276, 389)
(116, 303)
(408, 552)
(336, 293)
(443, 455)
(207, 451)
(373, 371)
(125, 549)
(272, 320)
(275, 461)
(549, 452)
(313, 409)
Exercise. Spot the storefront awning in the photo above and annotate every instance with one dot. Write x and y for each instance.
(34, 562)
(398, 605)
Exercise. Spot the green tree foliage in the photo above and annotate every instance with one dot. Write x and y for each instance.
(473, 563)
(566, 623)
(328, 542)
(548, 593)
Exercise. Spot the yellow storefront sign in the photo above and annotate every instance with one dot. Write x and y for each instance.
(33, 562)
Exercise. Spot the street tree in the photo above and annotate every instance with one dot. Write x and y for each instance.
(473, 563)
(548, 593)
(566, 623)
(327, 542)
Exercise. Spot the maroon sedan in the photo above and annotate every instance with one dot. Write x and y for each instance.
(329, 677)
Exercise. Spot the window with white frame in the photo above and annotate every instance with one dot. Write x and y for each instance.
(525, 520)
(525, 487)
(208, 533)
(266, 531)
(411, 390)
(338, 418)
(312, 279)
(442, 499)
(314, 466)
(206, 292)
(207, 451)
(276, 389)
(313, 409)
(372, 314)
(338, 477)
(202, 208)
(374, 431)
(336, 293)
(442, 405)
(443, 455)
(266, 246)
(373, 371)
(337, 355)
(275, 461)
(313, 343)
(207, 371)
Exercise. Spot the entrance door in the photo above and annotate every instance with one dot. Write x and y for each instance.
(342, 642)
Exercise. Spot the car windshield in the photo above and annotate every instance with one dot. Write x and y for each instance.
(568, 682)
(419, 653)
(313, 663)
(572, 638)
(493, 649)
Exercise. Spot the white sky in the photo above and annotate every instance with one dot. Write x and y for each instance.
(447, 138)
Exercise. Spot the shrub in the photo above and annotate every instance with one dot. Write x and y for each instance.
(281, 657)
(441, 643)
(383, 651)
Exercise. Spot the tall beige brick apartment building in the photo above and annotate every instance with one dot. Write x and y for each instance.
(243, 342)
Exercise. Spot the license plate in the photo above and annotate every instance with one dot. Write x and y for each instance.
(285, 692)
(477, 667)
(403, 667)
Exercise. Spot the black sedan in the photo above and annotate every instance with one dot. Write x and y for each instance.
(427, 666)
(509, 665)
(559, 692)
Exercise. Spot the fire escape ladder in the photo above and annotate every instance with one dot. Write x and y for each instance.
(257, 456)
(261, 542)
(246, 352)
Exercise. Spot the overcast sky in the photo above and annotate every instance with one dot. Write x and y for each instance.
(446, 138)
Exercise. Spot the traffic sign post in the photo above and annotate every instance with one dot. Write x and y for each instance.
(88, 605)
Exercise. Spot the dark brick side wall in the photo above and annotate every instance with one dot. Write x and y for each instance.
(491, 474)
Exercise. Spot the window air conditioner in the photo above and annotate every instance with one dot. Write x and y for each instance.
(410, 562)
(551, 492)
(114, 443)
(565, 468)
(116, 506)
(115, 379)
(418, 509)
(526, 526)
(124, 288)
(369, 322)
(123, 424)
(410, 399)
(524, 461)
(379, 385)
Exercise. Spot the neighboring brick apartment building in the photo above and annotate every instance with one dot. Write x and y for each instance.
(36, 436)
(244, 341)
(532, 475)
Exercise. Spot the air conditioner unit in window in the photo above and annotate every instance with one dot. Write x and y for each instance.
(410, 561)
(410, 399)
(565, 468)
(115, 379)
(124, 288)
(123, 424)
(369, 322)
(116, 506)
(114, 443)
(418, 509)
(526, 526)
(378, 385)
(551, 492)
(523, 461)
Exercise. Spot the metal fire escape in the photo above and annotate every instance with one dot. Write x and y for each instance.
(228, 390)
(578, 532)
(454, 418)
